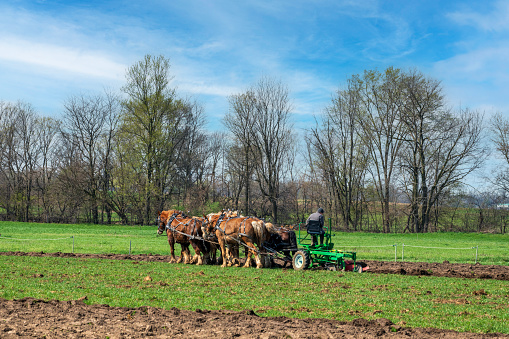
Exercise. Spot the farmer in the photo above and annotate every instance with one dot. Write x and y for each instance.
(314, 226)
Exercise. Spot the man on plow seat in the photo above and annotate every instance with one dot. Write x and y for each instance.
(314, 226)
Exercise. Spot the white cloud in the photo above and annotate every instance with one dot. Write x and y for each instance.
(206, 88)
(495, 20)
(60, 58)
(477, 79)
(478, 65)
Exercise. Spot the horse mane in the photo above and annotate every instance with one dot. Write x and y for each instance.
(271, 228)
(260, 230)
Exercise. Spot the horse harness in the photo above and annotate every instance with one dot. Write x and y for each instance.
(243, 234)
(272, 252)
(174, 229)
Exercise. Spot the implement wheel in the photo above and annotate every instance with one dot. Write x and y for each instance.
(301, 260)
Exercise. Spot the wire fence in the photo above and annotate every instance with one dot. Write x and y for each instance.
(405, 251)
(441, 248)
(364, 251)
(10, 239)
(142, 246)
(373, 246)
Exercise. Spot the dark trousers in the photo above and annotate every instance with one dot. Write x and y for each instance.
(313, 236)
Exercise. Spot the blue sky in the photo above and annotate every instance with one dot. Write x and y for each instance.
(50, 50)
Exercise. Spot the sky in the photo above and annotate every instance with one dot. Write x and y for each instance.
(51, 50)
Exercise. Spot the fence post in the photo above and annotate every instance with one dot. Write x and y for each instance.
(129, 247)
(395, 252)
(73, 244)
(403, 253)
(476, 250)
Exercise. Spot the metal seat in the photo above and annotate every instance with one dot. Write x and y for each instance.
(313, 227)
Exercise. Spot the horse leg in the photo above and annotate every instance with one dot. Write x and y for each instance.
(267, 261)
(180, 259)
(227, 256)
(206, 247)
(235, 258)
(248, 254)
(213, 258)
(206, 256)
(223, 250)
(171, 242)
(257, 259)
(182, 254)
(252, 250)
(197, 256)
(230, 254)
(187, 257)
(213, 254)
(220, 260)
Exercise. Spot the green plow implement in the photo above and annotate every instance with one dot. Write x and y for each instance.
(310, 256)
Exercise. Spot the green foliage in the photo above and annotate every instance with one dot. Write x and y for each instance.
(459, 304)
(212, 207)
(148, 118)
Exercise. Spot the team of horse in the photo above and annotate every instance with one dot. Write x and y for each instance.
(226, 230)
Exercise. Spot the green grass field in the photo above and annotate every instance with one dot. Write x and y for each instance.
(456, 304)
(415, 301)
(84, 238)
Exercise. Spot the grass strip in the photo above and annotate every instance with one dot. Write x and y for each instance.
(446, 303)
(85, 238)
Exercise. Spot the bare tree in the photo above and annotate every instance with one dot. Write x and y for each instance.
(48, 139)
(21, 155)
(259, 119)
(424, 100)
(24, 151)
(273, 139)
(7, 157)
(190, 155)
(216, 150)
(86, 122)
(240, 122)
(111, 109)
(442, 148)
(383, 130)
(500, 137)
(235, 171)
(341, 154)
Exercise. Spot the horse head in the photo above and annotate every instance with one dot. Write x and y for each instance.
(164, 218)
(158, 219)
(213, 220)
(161, 222)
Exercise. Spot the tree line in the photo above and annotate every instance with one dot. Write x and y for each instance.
(387, 155)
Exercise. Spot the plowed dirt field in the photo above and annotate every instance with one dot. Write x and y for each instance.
(32, 318)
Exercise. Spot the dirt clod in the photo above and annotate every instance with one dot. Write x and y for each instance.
(56, 319)
(78, 320)
(443, 269)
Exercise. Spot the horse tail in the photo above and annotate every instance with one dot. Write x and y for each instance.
(260, 231)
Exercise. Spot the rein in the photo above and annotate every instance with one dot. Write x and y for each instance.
(170, 220)
(174, 216)
(191, 236)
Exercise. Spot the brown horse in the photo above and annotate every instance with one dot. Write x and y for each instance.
(184, 231)
(162, 221)
(262, 235)
(236, 231)
(213, 241)
(283, 240)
